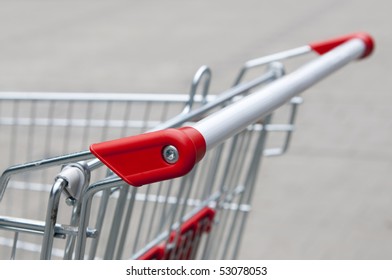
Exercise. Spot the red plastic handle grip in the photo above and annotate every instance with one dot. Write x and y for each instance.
(325, 46)
(138, 160)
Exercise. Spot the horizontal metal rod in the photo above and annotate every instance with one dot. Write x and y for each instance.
(278, 56)
(38, 227)
(57, 122)
(99, 97)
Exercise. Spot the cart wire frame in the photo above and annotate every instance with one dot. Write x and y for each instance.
(180, 188)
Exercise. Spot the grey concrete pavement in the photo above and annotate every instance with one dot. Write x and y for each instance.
(330, 197)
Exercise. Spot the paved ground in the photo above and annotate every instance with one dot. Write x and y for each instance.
(330, 196)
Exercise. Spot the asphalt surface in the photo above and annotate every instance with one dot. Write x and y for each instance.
(330, 196)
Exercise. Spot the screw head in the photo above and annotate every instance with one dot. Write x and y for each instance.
(70, 201)
(170, 154)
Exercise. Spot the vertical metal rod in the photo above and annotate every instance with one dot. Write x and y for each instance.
(165, 112)
(127, 111)
(293, 114)
(67, 130)
(49, 130)
(29, 138)
(71, 239)
(182, 189)
(219, 232)
(164, 210)
(228, 196)
(141, 219)
(207, 247)
(251, 179)
(31, 129)
(154, 212)
(14, 133)
(127, 221)
(203, 71)
(99, 222)
(213, 170)
(147, 111)
(14, 246)
(87, 198)
(86, 130)
(116, 223)
(183, 201)
(51, 217)
(235, 218)
(105, 128)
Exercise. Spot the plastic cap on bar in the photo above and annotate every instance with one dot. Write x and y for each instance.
(326, 45)
(140, 160)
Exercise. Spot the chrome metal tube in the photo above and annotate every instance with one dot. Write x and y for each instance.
(234, 118)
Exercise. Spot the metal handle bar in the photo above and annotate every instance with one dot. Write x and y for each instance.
(317, 47)
(171, 153)
(232, 119)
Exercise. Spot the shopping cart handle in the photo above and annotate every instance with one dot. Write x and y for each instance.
(171, 153)
(322, 47)
(154, 156)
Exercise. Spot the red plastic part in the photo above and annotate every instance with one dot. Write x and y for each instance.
(325, 46)
(138, 159)
(155, 253)
(186, 239)
(194, 223)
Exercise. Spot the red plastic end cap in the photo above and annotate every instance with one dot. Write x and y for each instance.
(325, 46)
(139, 160)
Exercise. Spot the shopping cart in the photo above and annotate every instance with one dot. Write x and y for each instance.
(180, 188)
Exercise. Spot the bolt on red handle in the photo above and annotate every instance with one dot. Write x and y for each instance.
(154, 156)
(326, 45)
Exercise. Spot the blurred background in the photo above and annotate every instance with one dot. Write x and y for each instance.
(330, 196)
